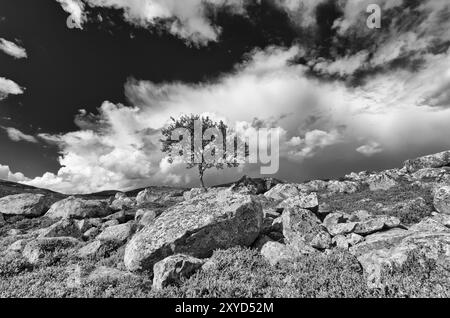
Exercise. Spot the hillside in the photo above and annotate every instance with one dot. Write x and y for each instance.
(383, 234)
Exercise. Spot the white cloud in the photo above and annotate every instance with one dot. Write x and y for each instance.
(187, 19)
(16, 135)
(76, 10)
(9, 87)
(370, 149)
(12, 49)
(6, 174)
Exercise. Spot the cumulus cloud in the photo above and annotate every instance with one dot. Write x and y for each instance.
(16, 135)
(6, 174)
(76, 10)
(370, 149)
(12, 49)
(9, 87)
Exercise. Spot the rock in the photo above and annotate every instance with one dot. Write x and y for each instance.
(361, 215)
(2, 220)
(429, 173)
(255, 186)
(303, 201)
(283, 191)
(147, 196)
(324, 210)
(63, 228)
(341, 228)
(91, 233)
(429, 225)
(438, 160)
(317, 185)
(260, 241)
(17, 246)
(335, 218)
(26, 204)
(441, 200)
(98, 248)
(376, 224)
(119, 216)
(109, 224)
(171, 270)
(194, 192)
(271, 213)
(346, 241)
(14, 232)
(122, 202)
(147, 218)
(276, 253)
(302, 228)
(425, 245)
(443, 219)
(197, 227)
(380, 182)
(118, 233)
(347, 187)
(76, 208)
(36, 249)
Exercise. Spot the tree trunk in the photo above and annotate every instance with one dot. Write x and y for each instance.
(201, 171)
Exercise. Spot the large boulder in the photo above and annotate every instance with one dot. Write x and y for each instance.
(438, 160)
(26, 204)
(147, 196)
(77, 208)
(36, 249)
(376, 224)
(122, 202)
(441, 200)
(171, 270)
(65, 227)
(381, 252)
(380, 182)
(197, 227)
(118, 233)
(302, 228)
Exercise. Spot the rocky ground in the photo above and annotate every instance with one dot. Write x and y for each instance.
(384, 234)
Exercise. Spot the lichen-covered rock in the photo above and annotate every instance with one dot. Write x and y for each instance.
(26, 204)
(146, 217)
(376, 224)
(171, 270)
(346, 241)
(441, 200)
(302, 228)
(2, 220)
(197, 227)
(35, 250)
(429, 225)
(118, 233)
(341, 228)
(380, 252)
(147, 196)
(276, 253)
(302, 201)
(283, 191)
(443, 219)
(65, 227)
(194, 192)
(438, 160)
(76, 208)
(122, 202)
(335, 218)
(380, 182)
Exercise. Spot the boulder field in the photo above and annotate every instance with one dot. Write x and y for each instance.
(170, 235)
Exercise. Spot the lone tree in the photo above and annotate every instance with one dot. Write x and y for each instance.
(202, 143)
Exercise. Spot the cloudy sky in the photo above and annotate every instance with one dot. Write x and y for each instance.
(87, 85)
